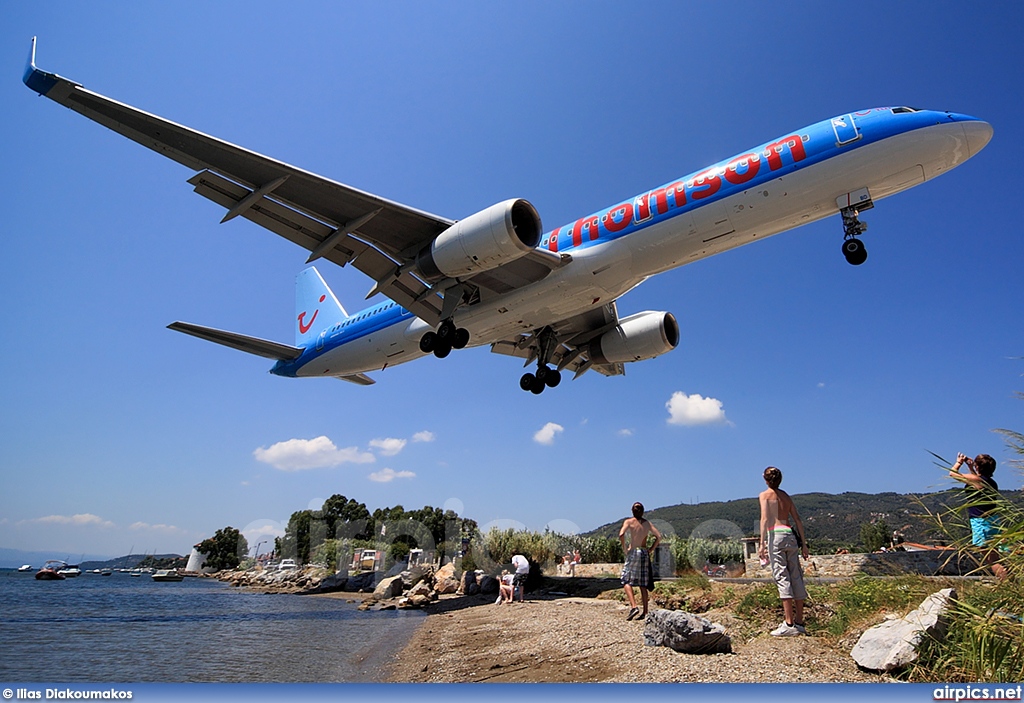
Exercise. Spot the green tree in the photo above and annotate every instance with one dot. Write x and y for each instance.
(225, 549)
(875, 535)
(338, 510)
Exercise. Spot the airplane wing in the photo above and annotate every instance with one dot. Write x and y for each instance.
(573, 336)
(333, 221)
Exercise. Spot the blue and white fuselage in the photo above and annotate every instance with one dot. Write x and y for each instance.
(772, 188)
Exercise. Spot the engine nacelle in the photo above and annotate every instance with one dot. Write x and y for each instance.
(486, 240)
(644, 335)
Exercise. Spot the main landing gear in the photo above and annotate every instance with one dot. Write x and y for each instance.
(545, 377)
(447, 337)
(853, 248)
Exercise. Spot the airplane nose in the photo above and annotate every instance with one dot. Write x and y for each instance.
(978, 135)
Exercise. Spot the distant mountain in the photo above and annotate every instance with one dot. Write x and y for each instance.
(130, 561)
(13, 558)
(828, 519)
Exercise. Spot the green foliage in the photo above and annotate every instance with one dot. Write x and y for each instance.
(398, 551)
(692, 554)
(855, 599)
(500, 545)
(225, 549)
(875, 535)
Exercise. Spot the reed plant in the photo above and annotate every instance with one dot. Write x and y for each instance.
(985, 641)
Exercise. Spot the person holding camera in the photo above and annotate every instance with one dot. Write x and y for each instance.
(980, 511)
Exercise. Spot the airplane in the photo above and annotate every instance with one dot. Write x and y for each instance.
(496, 277)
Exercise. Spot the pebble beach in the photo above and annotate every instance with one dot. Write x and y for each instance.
(580, 640)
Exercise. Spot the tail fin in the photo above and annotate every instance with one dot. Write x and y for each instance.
(316, 308)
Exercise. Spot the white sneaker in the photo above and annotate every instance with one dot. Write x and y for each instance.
(785, 630)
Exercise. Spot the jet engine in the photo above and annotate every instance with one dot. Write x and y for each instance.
(644, 335)
(486, 240)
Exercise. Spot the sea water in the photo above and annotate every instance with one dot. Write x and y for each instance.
(120, 628)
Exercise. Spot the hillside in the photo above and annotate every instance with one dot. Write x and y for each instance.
(829, 520)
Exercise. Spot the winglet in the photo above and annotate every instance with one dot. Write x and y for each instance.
(40, 81)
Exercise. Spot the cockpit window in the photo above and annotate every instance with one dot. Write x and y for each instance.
(898, 110)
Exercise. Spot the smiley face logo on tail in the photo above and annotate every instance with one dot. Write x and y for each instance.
(303, 325)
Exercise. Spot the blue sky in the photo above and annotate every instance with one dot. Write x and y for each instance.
(117, 432)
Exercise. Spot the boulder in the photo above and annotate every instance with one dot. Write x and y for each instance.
(420, 589)
(685, 632)
(488, 584)
(391, 587)
(893, 644)
(361, 582)
(449, 585)
(334, 582)
(445, 573)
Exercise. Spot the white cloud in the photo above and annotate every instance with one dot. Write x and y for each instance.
(300, 454)
(388, 475)
(625, 432)
(821, 384)
(389, 446)
(81, 520)
(165, 529)
(424, 436)
(546, 434)
(694, 410)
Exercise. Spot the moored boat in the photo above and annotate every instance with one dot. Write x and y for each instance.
(70, 571)
(50, 571)
(168, 575)
(25, 567)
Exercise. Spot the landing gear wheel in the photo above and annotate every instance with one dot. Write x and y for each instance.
(441, 349)
(542, 373)
(527, 381)
(538, 386)
(427, 342)
(552, 378)
(854, 251)
(446, 331)
(461, 338)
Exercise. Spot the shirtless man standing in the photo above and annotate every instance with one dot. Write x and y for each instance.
(637, 570)
(780, 526)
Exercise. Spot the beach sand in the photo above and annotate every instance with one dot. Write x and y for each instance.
(575, 640)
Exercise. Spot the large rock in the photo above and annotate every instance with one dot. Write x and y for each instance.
(893, 644)
(420, 589)
(361, 582)
(391, 587)
(685, 632)
(488, 584)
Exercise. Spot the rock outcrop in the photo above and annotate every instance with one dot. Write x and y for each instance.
(894, 643)
(685, 632)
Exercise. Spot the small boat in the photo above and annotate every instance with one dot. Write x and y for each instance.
(25, 567)
(70, 571)
(50, 571)
(168, 575)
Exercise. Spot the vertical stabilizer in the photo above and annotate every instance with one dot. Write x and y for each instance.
(316, 308)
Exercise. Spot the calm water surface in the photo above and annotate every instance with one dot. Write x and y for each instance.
(123, 629)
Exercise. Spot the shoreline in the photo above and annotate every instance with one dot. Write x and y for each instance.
(550, 639)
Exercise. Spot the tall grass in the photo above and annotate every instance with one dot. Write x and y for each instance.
(985, 641)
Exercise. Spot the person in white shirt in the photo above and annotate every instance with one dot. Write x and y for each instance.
(522, 566)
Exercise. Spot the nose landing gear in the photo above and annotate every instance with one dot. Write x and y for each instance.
(853, 248)
(447, 337)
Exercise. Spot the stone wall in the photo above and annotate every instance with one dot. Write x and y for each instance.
(933, 562)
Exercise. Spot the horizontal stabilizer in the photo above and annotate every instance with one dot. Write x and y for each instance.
(251, 345)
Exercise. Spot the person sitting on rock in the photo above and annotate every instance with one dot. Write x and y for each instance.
(505, 587)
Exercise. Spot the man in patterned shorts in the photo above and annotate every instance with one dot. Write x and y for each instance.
(637, 570)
